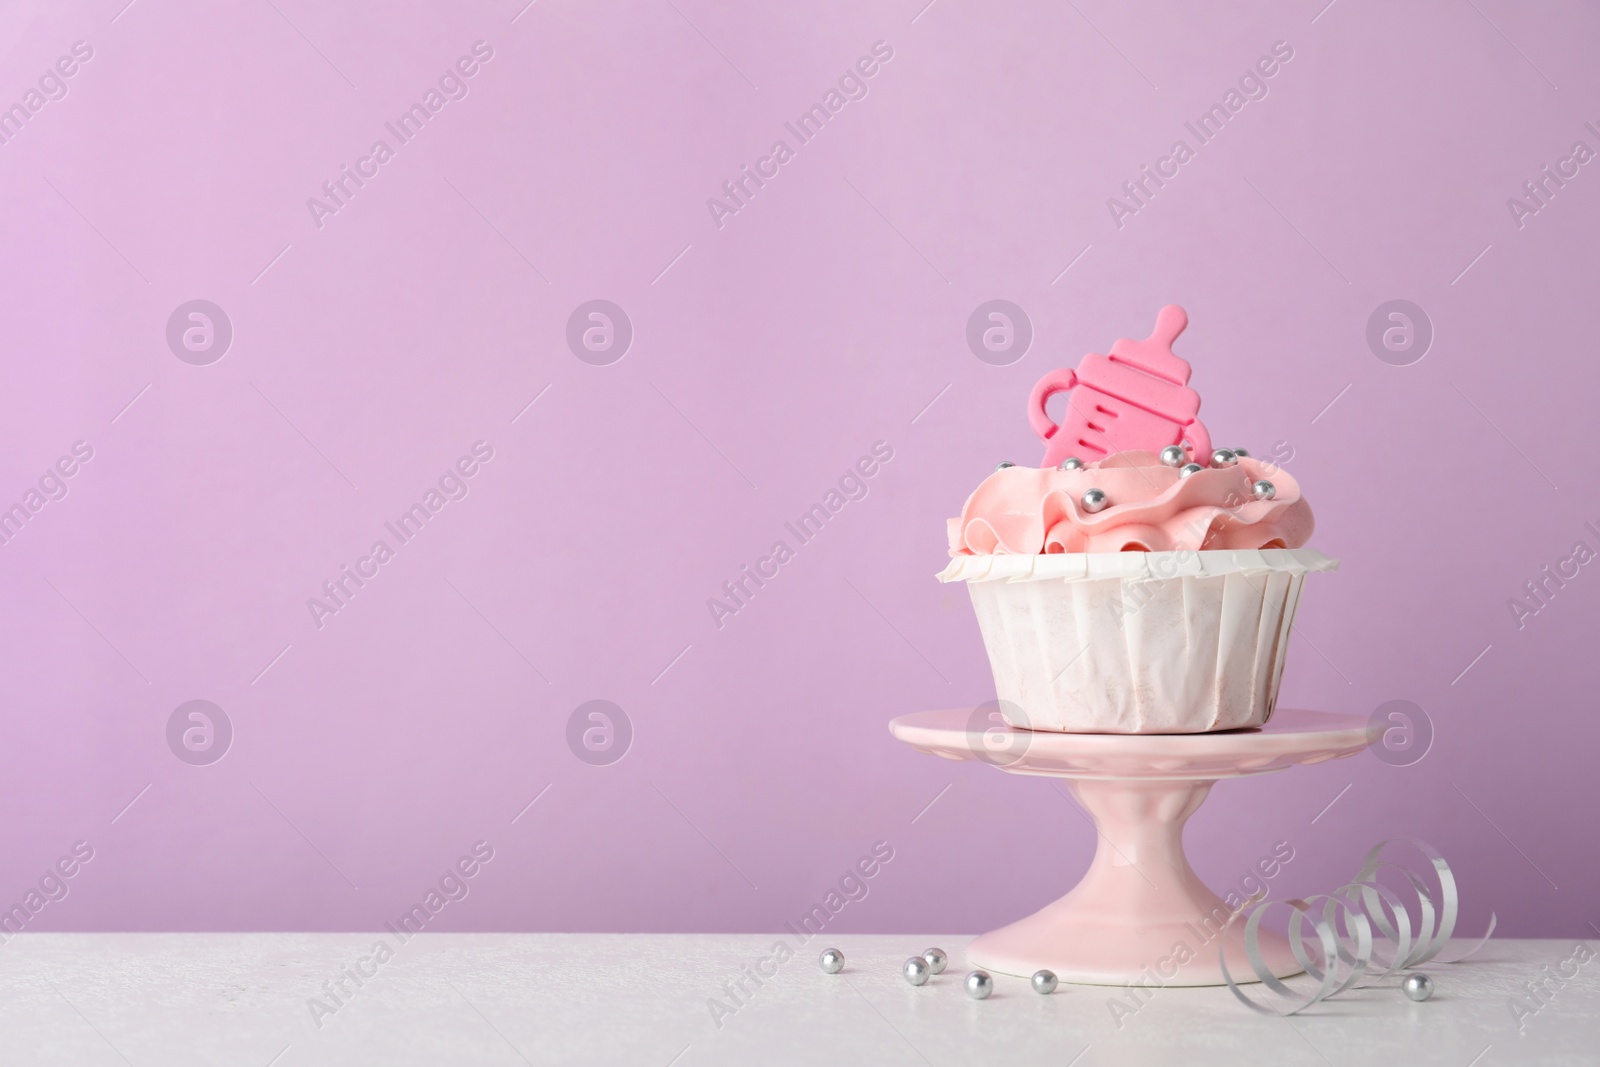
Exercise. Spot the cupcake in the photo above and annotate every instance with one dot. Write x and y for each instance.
(1151, 589)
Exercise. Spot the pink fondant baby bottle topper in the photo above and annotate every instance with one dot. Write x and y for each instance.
(1138, 397)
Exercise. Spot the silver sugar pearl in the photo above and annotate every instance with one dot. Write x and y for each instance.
(979, 985)
(1174, 456)
(1044, 982)
(1190, 468)
(916, 970)
(831, 961)
(1071, 463)
(1241, 453)
(936, 959)
(1095, 500)
(1224, 457)
(1264, 490)
(1418, 986)
(1004, 465)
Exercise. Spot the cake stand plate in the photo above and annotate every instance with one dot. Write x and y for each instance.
(1140, 914)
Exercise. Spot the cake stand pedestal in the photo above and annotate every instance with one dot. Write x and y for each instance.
(1140, 914)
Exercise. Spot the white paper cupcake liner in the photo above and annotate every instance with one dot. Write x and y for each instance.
(1137, 642)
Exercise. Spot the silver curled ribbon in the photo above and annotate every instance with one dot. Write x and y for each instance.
(1343, 923)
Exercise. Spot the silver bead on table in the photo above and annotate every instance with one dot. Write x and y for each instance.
(831, 961)
(1190, 468)
(1241, 453)
(1224, 457)
(1174, 456)
(1418, 986)
(1095, 500)
(916, 970)
(1044, 982)
(1003, 465)
(1071, 463)
(936, 959)
(1264, 490)
(979, 985)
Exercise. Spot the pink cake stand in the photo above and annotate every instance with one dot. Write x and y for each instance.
(1140, 900)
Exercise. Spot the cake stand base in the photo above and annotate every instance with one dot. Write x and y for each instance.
(1140, 915)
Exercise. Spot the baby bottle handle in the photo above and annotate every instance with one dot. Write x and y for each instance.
(1057, 381)
(1195, 433)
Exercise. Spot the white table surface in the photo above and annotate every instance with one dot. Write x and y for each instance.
(241, 999)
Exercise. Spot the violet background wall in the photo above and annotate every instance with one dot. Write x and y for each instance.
(370, 352)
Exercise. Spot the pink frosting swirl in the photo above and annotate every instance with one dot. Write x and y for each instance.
(1026, 510)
